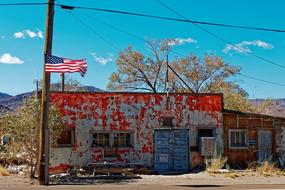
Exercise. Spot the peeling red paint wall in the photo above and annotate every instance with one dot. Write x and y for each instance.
(137, 112)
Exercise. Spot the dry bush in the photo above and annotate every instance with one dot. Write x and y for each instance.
(3, 172)
(232, 175)
(269, 169)
(23, 126)
(216, 164)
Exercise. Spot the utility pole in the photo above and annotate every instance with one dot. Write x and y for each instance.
(62, 82)
(166, 77)
(44, 130)
(37, 87)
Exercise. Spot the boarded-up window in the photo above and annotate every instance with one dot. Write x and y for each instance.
(101, 140)
(238, 138)
(167, 121)
(122, 140)
(66, 139)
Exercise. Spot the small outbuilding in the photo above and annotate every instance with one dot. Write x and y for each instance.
(250, 138)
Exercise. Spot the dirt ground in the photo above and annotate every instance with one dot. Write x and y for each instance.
(149, 182)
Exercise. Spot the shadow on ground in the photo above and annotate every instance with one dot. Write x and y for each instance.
(116, 180)
(199, 186)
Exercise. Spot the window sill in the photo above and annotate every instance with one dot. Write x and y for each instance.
(239, 148)
(65, 146)
(127, 147)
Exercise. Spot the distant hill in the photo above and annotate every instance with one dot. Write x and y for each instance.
(10, 103)
(4, 110)
(276, 109)
(13, 102)
(4, 95)
(57, 87)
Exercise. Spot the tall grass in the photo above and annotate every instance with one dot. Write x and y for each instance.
(214, 165)
(269, 169)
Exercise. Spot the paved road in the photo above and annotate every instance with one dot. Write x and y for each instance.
(199, 181)
(144, 187)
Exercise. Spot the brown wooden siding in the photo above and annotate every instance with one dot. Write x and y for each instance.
(241, 157)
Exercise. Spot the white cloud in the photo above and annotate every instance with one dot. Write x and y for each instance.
(40, 34)
(28, 33)
(19, 35)
(181, 41)
(6, 58)
(102, 60)
(243, 46)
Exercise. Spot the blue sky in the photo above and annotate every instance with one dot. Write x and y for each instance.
(23, 28)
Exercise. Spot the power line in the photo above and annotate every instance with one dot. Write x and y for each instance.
(171, 19)
(221, 38)
(262, 80)
(113, 27)
(96, 33)
(137, 38)
(172, 51)
(22, 4)
(69, 7)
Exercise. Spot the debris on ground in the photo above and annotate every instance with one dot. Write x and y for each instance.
(3, 171)
(17, 169)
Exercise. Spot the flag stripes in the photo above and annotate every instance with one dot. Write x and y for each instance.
(63, 65)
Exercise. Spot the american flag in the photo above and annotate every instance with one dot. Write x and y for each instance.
(63, 65)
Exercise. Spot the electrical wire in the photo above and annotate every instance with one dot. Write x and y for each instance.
(170, 19)
(96, 33)
(172, 51)
(138, 39)
(22, 4)
(221, 38)
(262, 80)
(69, 7)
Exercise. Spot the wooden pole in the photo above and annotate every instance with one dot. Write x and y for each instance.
(44, 130)
(37, 87)
(62, 82)
(167, 79)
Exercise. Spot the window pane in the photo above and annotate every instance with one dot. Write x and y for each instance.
(232, 134)
(66, 137)
(128, 139)
(238, 139)
(101, 139)
(122, 140)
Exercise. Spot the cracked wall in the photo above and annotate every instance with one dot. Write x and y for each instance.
(137, 112)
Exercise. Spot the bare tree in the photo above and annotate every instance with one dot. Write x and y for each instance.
(140, 72)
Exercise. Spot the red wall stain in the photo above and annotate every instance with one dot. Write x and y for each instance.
(62, 168)
(141, 110)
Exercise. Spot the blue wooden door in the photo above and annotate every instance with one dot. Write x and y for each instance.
(162, 159)
(171, 151)
(264, 146)
(181, 151)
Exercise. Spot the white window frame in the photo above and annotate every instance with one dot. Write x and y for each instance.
(246, 138)
(101, 132)
(111, 138)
